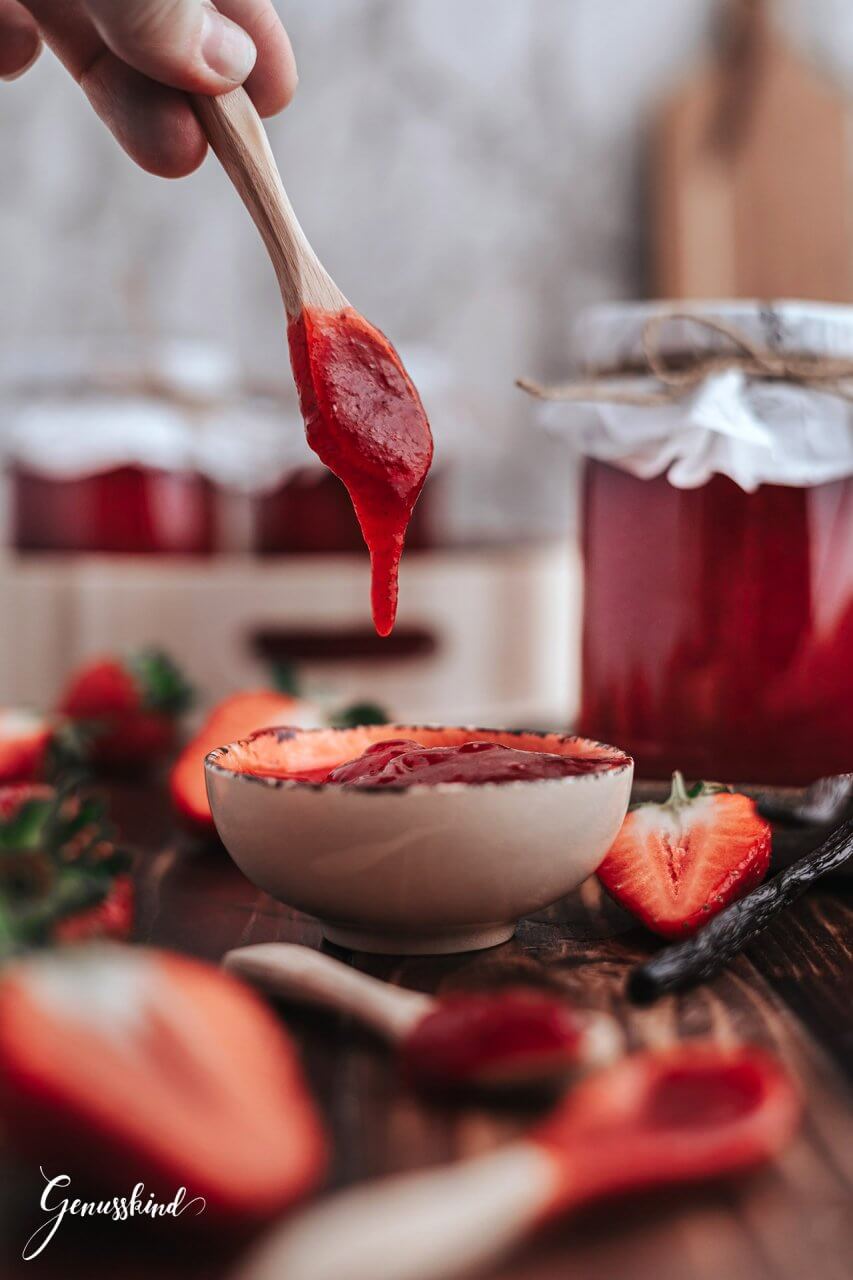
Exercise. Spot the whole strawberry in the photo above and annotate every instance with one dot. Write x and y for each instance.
(129, 708)
(675, 865)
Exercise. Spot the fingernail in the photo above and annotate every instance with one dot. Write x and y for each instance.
(226, 48)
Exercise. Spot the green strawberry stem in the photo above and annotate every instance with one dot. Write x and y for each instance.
(284, 678)
(681, 796)
(161, 684)
(678, 796)
(357, 714)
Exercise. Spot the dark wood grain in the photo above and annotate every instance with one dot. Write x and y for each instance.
(790, 991)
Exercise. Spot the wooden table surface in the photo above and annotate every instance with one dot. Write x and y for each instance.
(792, 991)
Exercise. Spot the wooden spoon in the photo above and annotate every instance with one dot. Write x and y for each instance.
(516, 1037)
(689, 1114)
(363, 416)
(237, 135)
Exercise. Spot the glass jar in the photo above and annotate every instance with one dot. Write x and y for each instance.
(717, 538)
(718, 625)
(310, 511)
(132, 510)
(102, 442)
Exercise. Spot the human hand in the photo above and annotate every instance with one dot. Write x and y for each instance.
(136, 59)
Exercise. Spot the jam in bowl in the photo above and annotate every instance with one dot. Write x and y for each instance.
(477, 827)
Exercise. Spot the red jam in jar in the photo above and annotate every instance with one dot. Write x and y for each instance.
(718, 626)
(128, 509)
(311, 512)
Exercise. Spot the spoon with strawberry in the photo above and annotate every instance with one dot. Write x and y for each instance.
(363, 417)
(515, 1038)
(682, 1116)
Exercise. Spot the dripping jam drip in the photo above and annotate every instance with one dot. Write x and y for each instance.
(364, 420)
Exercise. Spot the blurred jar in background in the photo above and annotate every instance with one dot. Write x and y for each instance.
(311, 512)
(718, 554)
(278, 498)
(101, 449)
(133, 509)
(163, 449)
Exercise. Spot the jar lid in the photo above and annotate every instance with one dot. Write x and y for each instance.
(611, 335)
(761, 392)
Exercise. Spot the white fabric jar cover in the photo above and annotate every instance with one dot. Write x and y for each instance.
(76, 408)
(731, 422)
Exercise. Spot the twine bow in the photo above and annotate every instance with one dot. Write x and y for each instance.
(683, 373)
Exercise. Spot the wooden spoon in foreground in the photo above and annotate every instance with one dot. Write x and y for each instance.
(686, 1115)
(515, 1038)
(363, 416)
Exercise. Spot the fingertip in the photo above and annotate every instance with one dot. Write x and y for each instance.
(154, 124)
(20, 47)
(272, 97)
(178, 149)
(274, 79)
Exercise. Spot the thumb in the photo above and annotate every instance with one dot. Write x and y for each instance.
(183, 43)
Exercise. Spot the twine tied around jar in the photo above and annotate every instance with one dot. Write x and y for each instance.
(684, 372)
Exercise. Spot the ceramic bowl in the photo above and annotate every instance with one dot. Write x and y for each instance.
(413, 869)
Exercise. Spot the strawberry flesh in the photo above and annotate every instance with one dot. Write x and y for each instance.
(236, 717)
(130, 1064)
(675, 865)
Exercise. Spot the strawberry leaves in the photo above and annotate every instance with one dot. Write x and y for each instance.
(57, 859)
(161, 683)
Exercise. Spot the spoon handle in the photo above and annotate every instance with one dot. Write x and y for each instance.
(418, 1226)
(300, 973)
(237, 135)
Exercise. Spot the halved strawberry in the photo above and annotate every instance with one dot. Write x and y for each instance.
(675, 865)
(130, 708)
(24, 741)
(129, 1064)
(235, 717)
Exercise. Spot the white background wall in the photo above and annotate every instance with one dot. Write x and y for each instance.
(470, 170)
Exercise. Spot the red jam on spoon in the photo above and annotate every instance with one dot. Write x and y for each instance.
(495, 1040)
(365, 421)
(401, 762)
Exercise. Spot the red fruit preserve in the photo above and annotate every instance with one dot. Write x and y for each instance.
(128, 509)
(718, 626)
(365, 421)
(310, 512)
(491, 1037)
(401, 762)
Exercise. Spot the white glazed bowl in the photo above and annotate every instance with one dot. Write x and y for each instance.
(414, 869)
